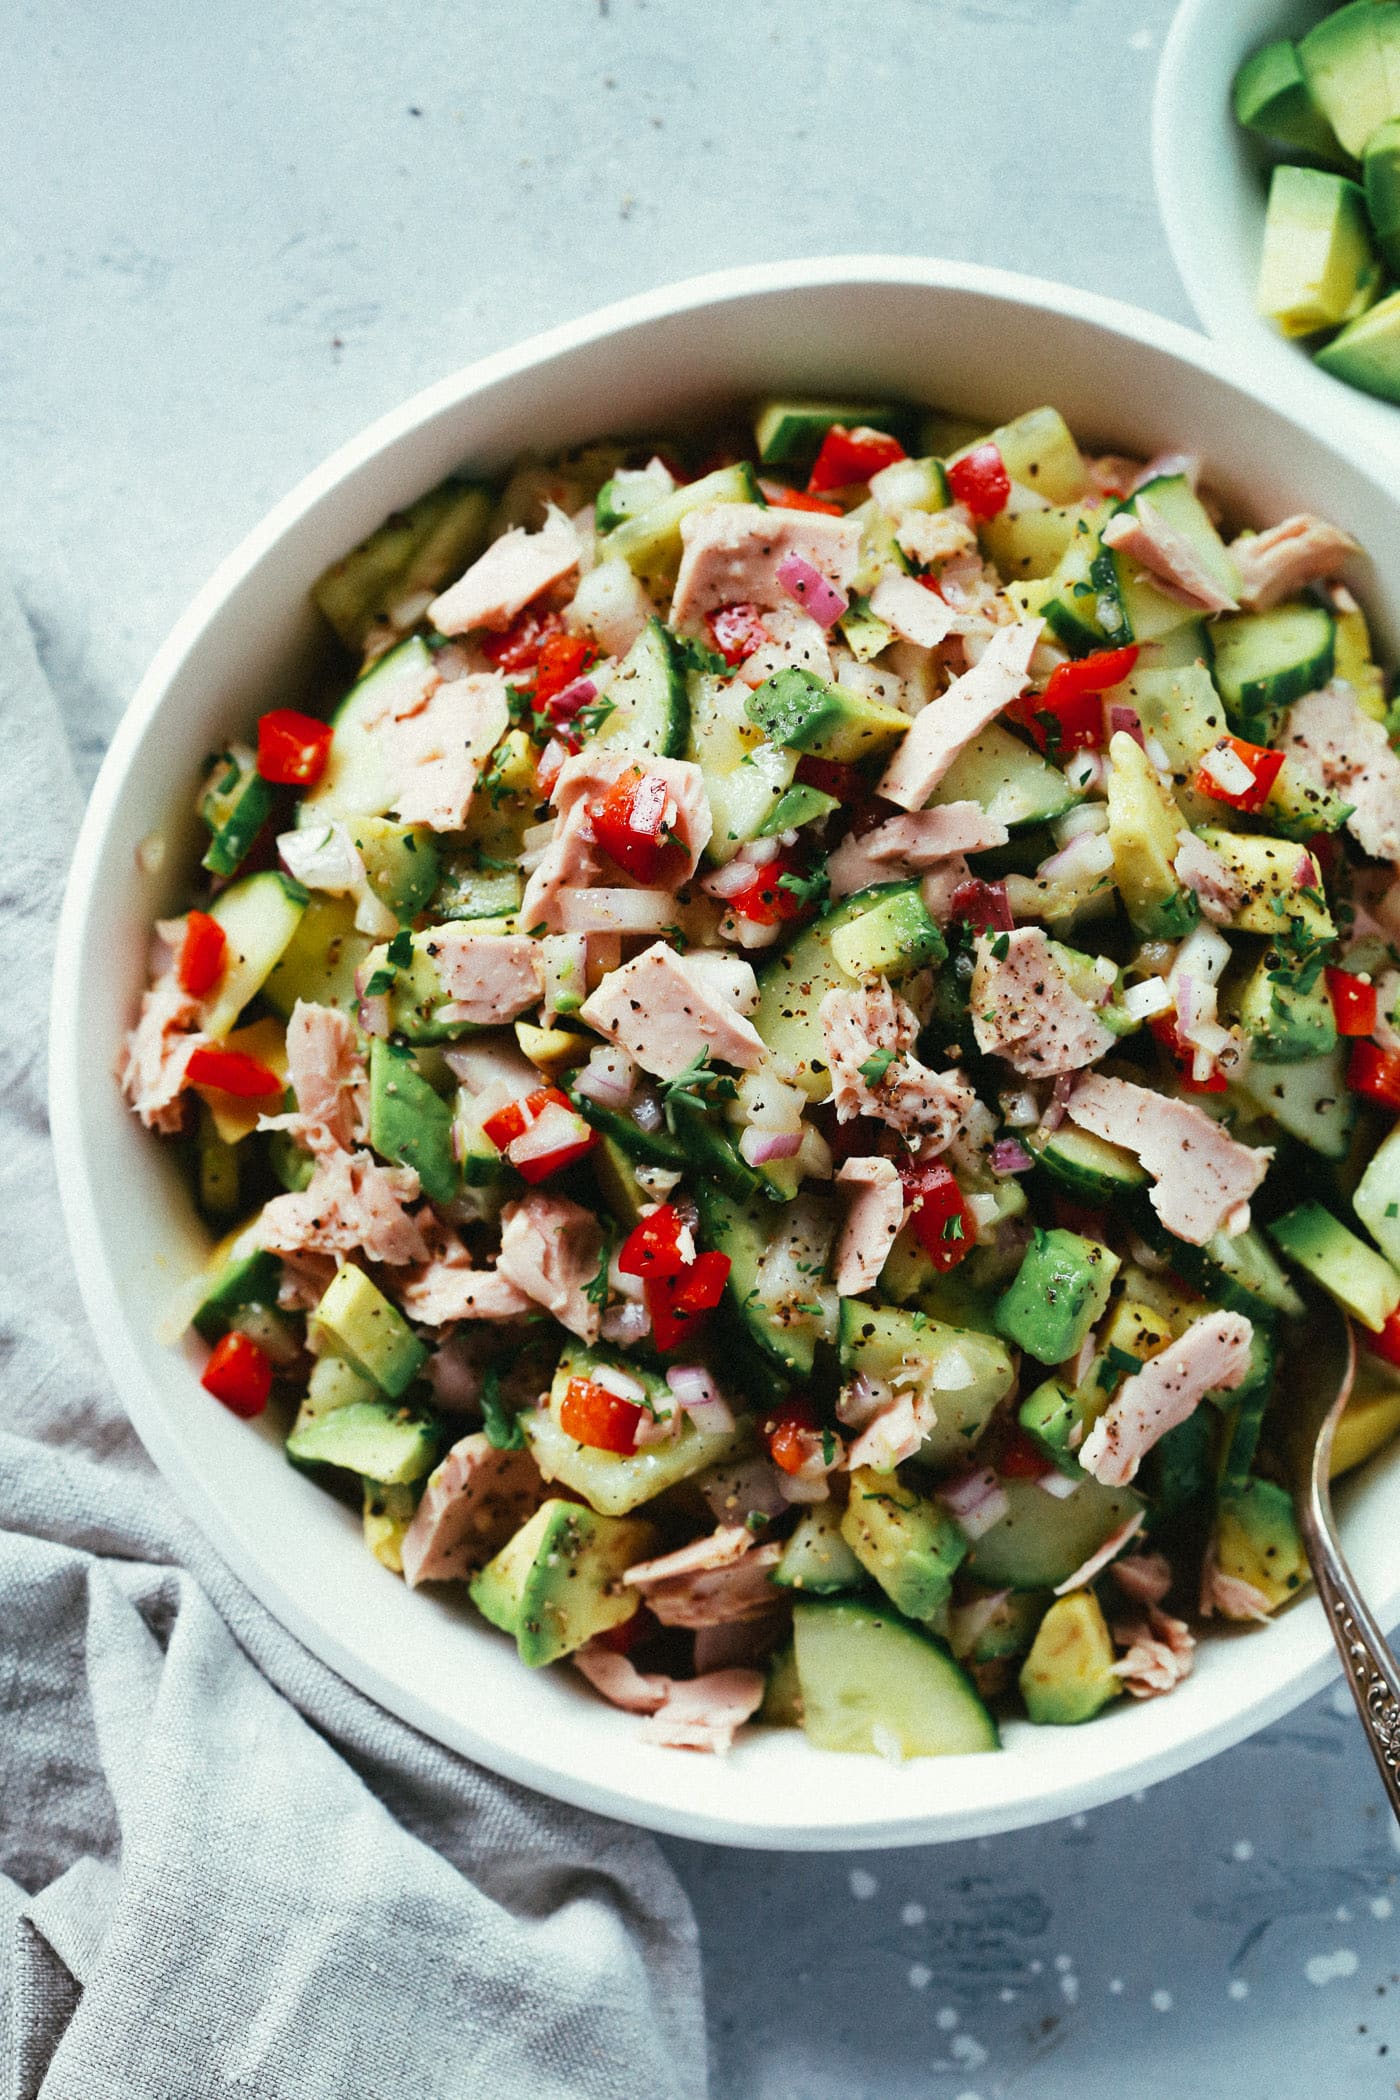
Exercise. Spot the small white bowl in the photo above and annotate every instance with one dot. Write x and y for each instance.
(1212, 186)
(943, 332)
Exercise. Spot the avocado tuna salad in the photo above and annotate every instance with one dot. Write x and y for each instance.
(776, 1048)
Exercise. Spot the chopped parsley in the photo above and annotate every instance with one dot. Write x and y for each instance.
(381, 981)
(828, 1448)
(596, 1291)
(699, 1082)
(952, 1227)
(400, 949)
(812, 888)
(876, 1065)
(695, 656)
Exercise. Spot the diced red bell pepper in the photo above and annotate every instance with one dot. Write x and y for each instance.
(1257, 759)
(1069, 713)
(1375, 1073)
(736, 631)
(202, 953)
(1021, 1458)
(512, 1127)
(563, 659)
(1183, 1057)
(232, 1072)
(591, 1415)
(765, 901)
(653, 1248)
(519, 646)
(851, 456)
(1086, 1219)
(293, 748)
(834, 777)
(678, 1303)
(788, 1432)
(630, 825)
(781, 497)
(549, 766)
(984, 905)
(239, 1373)
(980, 482)
(630, 1634)
(1353, 1002)
(1386, 1344)
(943, 1225)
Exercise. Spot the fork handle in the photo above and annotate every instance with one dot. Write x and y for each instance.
(1369, 1666)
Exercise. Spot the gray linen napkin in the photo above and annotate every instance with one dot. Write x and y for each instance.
(222, 1870)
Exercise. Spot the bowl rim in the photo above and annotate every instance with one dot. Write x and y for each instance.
(1071, 1791)
(1182, 118)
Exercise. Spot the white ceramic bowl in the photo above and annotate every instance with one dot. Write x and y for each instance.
(942, 332)
(1212, 185)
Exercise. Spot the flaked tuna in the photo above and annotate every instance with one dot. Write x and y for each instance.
(666, 1013)
(948, 724)
(475, 1500)
(1025, 1009)
(1276, 563)
(551, 1249)
(350, 1205)
(874, 1214)
(1342, 748)
(1212, 1355)
(1203, 1178)
(1144, 536)
(857, 1028)
(512, 572)
(731, 554)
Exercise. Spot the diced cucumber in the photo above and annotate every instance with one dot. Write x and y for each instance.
(651, 543)
(1087, 1166)
(871, 1682)
(1179, 706)
(613, 1483)
(388, 579)
(793, 984)
(965, 1374)
(746, 777)
(1286, 1014)
(1029, 543)
(816, 1559)
(319, 962)
(650, 708)
(1362, 1281)
(356, 782)
(707, 1149)
(649, 1148)
(1012, 783)
(745, 1231)
(911, 484)
(1041, 1539)
(790, 433)
(259, 915)
(401, 862)
(216, 1163)
(1242, 1273)
(375, 1438)
(235, 804)
(1377, 1198)
(1263, 661)
(1039, 451)
(802, 712)
(1310, 1100)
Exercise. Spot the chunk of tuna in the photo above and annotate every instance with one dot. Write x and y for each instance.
(1160, 1652)
(447, 1287)
(488, 977)
(856, 1026)
(574, 860)
(1096, 1563)
(731, 1585)
(666, 1014)
(436, 755)
(1213, 1354)
(1338, 745)
(476, 1499)
(511, 573)
(328, 1077)
(874, 1214)
(1025, 1009)
(1274, 564)
(350, 1203)
(947, 725)
(156, 1054)
(1220, 893)
(705, 1713)
(916, 615)
(619, 1681)
(731, 554)
(905, 846)
(550, 1250)
(1203, 1177)
(1143, 536)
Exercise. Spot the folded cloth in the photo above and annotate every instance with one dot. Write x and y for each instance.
(222, 1870)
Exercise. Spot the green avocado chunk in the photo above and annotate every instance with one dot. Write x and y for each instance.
(802, 712)
(408, 1122)
(556, 1583)
(1068, 1674)
(357, 1316)
(1058, 1293)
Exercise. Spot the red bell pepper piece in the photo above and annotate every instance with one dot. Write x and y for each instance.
(765, 901)
(1375, 1073)
(1386, 1344)
(790, 1433)
(678, 1303)
(591, 1415)
(563, 658)
(292, 748)
(980, 482)
(631, 1633)
(736, 631)
(1163, 1028)
(202, 953)
(781, 497)
(1353, 1002)
(1257, 759)
(518, 647)
(653, 1248)
(232, 1072)
(1022, 1458)
(513, 1130)
(943, 1225)
(1069, 713)
(631, 827)
(834, 777)
(239, 1373)
(851, 456)
(984, 905)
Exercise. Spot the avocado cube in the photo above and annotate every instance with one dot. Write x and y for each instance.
(1144, 824)
(557, 1582)
(235, 805)
(911, 1546)
(1318, 268)
(1287, 1016)
(1271, 97)
(1058, 1417)
(1377, 1198)
(796, 806)
(251, 1279)
(1068, 1674)
(1257, 1541)
(965, 1373)
(1362, 1281)
(892, 939)
(1371, 1417)
(371, 1437)
(802, 712)
(790, 433)
(357, 1316)
(1275, 902)
(333, 1383)
(408, 1122)
(401, 862)
(1351, 63)
(1367, 352)
(388, 1512)
(1057, 1295)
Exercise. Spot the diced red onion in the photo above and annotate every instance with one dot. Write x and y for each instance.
(977, 1499)
(1127, 719)
(971, 1620)
(759, 1146)
(811, 590)
(626, 1323)
(563, 705)
(1087, 855)
(730, 880)
(1307, 877)
(1009, 1156)
(1053, 1113)
(609, 1078)
(647, 1113)
(697, 1393)
(620, 1384)
(374, 1010)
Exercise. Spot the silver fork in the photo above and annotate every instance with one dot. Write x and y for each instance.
(1323, 1376)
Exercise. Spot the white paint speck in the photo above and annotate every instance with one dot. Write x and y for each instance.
(1069, 1989)
(913, 1914)
(946, 2017)
(1381, 1906)
(863, 1884)
(1327, 1968)
(1161, 2001)
(1342, 1703)
(966, 2050)
(1140, 1796)
(1342, 1914)
(1079, 1822)
(1238, 1988)
(1242, 1850)
(1115, 1984)
(969, 2096)
(1140, 40)
(1037, 1968)
(1064, 1963)
(919, 1977)
(1006, 1995)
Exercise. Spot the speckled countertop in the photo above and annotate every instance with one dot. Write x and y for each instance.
(228, 238)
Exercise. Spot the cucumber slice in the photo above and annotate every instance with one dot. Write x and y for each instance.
(871, 1682)
(249, 1279)
(650, 709)
(707, 1149)
(259, 915)
(816, 1558)
(1041, 1540)
(1377, 1198)
(745, 1231)
(319, 962)
(1362, 1281)
(1007, 779)
(790, 433)
(649, 1148)
(650, 543)
(1263, 661)
(1088, 1166)
(355, 783)
(613, 1483)
(1241, 1273)
(1039, 451)
(375, 1438)
(746, 777)
(1310, 1100)
(235, 804)
(793, 985)
(390, 576)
